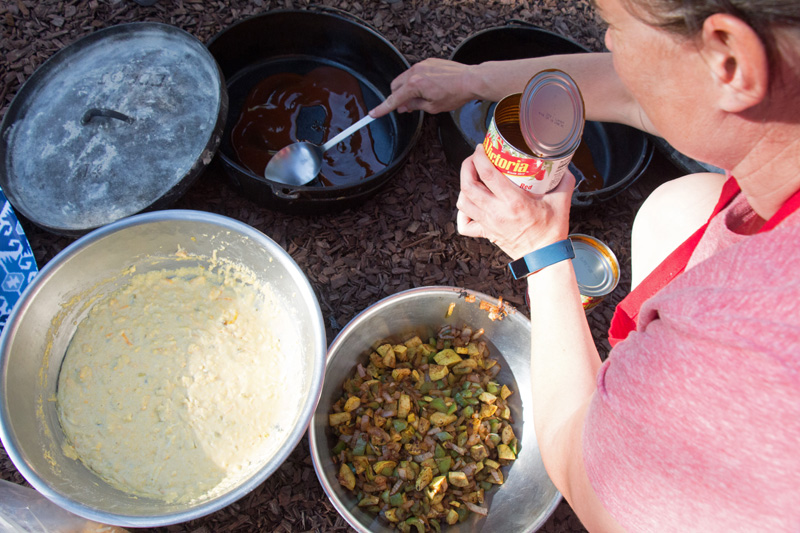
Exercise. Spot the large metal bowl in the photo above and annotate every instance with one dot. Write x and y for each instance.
(528, 497)
(37, 333)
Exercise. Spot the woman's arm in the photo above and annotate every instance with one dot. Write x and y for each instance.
(564, 359)
(564, 364)
(437, 85)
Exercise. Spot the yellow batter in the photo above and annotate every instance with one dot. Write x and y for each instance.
(179, 383)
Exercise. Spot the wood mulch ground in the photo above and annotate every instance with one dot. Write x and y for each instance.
(403, 237)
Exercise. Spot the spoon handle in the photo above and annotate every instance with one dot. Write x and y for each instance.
(346, 133)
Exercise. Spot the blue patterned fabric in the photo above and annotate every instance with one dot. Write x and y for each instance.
(17, 263)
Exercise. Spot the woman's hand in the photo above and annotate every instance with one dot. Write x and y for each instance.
(492, 206)
(433, 85)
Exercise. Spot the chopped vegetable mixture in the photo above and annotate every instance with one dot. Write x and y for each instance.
(423, 430)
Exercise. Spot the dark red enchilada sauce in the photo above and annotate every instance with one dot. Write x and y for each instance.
(333, 100)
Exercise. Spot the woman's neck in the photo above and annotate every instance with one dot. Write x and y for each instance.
(770, 174)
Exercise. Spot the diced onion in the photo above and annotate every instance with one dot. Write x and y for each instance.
(470, 469)
(398, 484)
(483, 511)
(496, 476)
(407, 446)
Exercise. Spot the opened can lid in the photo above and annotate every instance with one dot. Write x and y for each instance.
(596, 267)
(551, 114)
(110, 125)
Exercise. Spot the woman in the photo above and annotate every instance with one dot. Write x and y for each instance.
(692, 422)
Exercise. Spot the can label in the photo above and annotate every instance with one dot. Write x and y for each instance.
(511, 161)
(506, 149)
(590, 302)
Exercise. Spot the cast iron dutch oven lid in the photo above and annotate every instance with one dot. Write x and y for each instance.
(118, 122)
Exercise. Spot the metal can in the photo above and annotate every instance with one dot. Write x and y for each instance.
(596, 269)
(533, 134)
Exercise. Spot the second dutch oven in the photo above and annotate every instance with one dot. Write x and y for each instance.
(618, 153)
(298, 41)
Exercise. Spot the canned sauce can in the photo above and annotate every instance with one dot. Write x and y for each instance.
(596, 269)
(533, 135)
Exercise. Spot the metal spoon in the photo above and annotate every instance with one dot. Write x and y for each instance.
(299, 163)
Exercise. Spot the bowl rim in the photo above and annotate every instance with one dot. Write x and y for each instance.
(205, 507)
(316, 458)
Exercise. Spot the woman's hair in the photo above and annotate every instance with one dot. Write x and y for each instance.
(686, 17)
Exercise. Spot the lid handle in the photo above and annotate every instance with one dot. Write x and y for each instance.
(103, 112)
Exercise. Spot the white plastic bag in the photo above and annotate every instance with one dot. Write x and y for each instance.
(23, 510)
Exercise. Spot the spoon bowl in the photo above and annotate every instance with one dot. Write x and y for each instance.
(300, 162)
(296, 164)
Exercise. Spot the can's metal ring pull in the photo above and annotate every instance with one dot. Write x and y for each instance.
(102, 112)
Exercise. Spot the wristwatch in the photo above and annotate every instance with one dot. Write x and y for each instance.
(543, 257)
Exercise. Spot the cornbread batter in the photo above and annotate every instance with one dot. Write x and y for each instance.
(174, 385)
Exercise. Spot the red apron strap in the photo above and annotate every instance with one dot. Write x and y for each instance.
(627, 312)
(789, 207)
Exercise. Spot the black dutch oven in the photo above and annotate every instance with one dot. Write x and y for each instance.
(297, 41)
(681, 161)
(121, 121)
(619, 153)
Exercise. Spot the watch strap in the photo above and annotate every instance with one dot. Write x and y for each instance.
(543, 257)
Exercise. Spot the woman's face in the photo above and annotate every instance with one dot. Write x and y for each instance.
(665, 74)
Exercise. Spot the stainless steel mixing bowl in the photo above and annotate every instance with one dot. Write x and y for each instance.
(37, 333)
(528, 497)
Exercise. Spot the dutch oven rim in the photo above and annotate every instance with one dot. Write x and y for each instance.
(289, 192)
(29, 88)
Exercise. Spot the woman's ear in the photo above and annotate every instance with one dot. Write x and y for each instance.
(738, 62)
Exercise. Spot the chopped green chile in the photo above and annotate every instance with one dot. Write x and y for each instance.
(438, 404)
(423, 430)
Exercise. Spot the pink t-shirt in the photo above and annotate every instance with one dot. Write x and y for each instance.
(696, 422)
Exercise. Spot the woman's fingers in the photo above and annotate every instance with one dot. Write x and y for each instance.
(433, 85)
(467, 227)
(492, 206)
(402, 98)
(475, 199)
